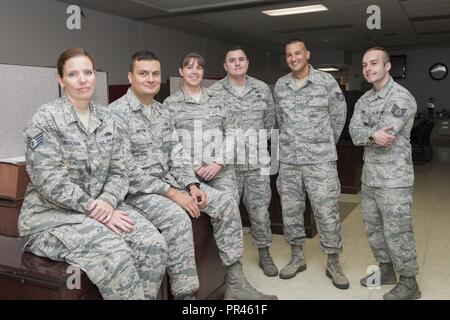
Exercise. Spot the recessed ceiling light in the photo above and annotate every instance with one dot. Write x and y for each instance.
(328, 69)
(295, 10)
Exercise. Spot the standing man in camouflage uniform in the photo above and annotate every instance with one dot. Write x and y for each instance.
(250, 103)
(200, 120)
(163, 185)
(311, 114)
(382, 123)
(73, 208)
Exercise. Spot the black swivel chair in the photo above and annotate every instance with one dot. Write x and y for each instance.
(422, 152)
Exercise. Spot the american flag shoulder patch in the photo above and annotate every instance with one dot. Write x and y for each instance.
(35, 142)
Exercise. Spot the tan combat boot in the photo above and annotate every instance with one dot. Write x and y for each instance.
(266, 262)
(296, 265)
(238, 288)
(334, 272)
(406, 289)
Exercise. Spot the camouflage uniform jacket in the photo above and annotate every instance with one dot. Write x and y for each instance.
(156, 159)
(310, 118)
(253, 110)
(70, 166)
(201, 126)
(385, 166)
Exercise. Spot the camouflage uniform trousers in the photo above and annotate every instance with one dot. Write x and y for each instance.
(389, 228)
(322, 185)
(128, 267)
(175, 225)
(226, 222)
(255, 191)
(225, 181)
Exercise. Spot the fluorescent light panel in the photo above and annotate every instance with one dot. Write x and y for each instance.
(295, 10)
(328, 69)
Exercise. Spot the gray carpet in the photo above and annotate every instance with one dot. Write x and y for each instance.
(345, 208)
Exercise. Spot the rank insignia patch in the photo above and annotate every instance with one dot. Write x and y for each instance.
(339, 96)
(33, 143)
(398, 112)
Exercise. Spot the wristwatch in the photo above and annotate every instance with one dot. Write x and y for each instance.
(188, 187)
(371, 139)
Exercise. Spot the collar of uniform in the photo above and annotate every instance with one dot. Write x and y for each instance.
(96, 119)
(227, 83)
(180, 96)
(133, 101)
(207, 92)
(312, 77)
(383, 92)
(249, 84)
(70, 114)
(135, 104)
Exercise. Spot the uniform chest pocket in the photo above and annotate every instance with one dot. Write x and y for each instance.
(318, 101)
(75, 158)
(141, 136)
(74, 153)
(260, 106)
(215, 111)
(181, 119)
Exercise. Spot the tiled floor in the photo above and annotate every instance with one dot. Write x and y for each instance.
(431, 216)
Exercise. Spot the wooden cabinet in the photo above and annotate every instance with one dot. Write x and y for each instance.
(349, 166)
(13, 181)
(276, 215)
(211, 272)
(13, 184)
(9, 216)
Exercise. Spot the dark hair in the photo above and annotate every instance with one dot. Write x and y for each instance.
(142, 55)
(295, 40)
(386, 56)
(235, 48)
(69, 54)
(192, 56)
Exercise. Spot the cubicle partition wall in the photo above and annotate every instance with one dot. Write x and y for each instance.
(22, 90)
